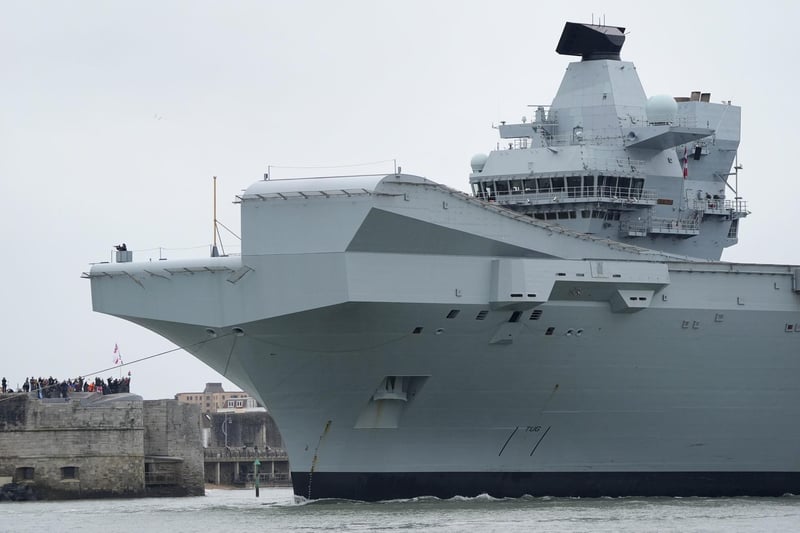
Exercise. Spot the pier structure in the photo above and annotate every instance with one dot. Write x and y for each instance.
(227, 466)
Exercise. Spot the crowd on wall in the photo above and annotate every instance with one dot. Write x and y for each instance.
(53, 388)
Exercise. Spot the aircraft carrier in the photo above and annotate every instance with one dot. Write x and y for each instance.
(567, 328)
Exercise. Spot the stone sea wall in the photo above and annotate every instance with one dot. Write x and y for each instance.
(91, 446)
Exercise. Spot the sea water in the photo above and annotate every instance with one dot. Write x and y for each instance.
(277, 510)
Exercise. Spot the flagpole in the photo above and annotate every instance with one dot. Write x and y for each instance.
(118, 358)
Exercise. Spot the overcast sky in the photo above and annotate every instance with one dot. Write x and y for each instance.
(115, 116)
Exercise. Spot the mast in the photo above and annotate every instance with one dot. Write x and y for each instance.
(214, 250)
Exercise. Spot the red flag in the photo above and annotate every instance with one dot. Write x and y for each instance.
(685, 163)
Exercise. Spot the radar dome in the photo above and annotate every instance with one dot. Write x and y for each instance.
(661, 109)
(478, 161)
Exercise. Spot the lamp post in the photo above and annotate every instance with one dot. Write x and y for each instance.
(225, 429)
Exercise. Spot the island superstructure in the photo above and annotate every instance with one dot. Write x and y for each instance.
(565, 330)
(604, 159)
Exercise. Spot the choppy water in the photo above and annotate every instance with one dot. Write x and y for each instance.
(276, 510)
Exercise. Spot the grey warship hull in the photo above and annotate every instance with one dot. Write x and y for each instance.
(452, 362)
(566, 330)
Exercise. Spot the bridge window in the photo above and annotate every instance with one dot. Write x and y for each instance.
(544, 184)
(611, 186)
(637, 184)
(733, 231)
(624, 187)
(588, 185)
(574, 186)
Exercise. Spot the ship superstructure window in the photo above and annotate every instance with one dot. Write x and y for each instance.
(544, 184)
(482, 315)
(515, 316)
(453, 313)
(733, 231)
(607, 184)
(576, 187)
(588, 186)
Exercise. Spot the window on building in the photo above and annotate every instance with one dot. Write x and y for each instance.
(239, 403)
(23, 473)
(69, 472)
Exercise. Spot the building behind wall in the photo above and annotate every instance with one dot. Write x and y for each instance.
(214, 399)
(236, 433)
(233, 442)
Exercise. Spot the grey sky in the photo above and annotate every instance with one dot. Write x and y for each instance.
(115, 116)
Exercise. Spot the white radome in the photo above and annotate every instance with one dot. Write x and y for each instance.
(661, 109)
(478, 161)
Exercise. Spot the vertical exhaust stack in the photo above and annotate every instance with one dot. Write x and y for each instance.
(591, 41)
